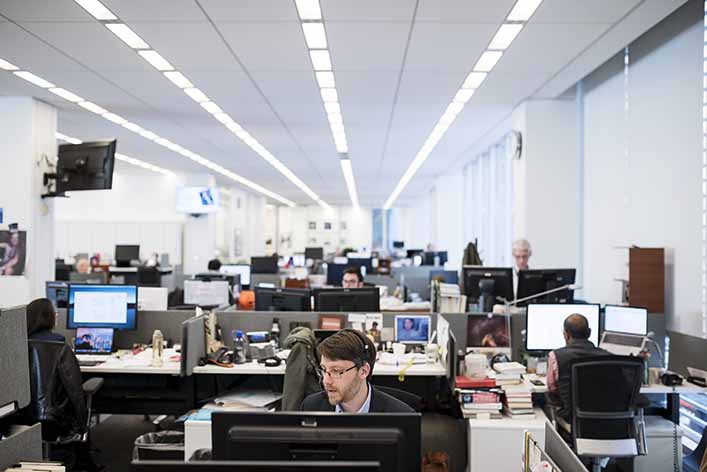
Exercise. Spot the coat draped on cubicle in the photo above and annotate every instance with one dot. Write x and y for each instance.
(301, 377)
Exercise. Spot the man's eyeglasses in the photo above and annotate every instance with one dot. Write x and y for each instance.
(336, 374)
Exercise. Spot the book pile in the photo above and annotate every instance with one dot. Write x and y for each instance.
(481, 404)
(508, 373)
(518, 401)
(38, 466)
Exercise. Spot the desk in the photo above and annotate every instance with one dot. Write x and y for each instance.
(253, 368)
(134, 364)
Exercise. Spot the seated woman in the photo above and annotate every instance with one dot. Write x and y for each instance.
(41, 319)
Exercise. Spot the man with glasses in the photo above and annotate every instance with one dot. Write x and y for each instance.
(347, 360)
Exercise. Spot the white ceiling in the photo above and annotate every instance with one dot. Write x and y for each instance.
(398, 63)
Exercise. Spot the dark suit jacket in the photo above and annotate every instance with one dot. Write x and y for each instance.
(380, 403)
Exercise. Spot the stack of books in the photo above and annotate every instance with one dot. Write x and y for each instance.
(508, 373)
(481, 404)
(518, 401)
(26, 466)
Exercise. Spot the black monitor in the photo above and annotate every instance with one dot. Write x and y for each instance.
(428, 258)
(321, 334)
(58, 293)
(446, 276)
(398, 244)
(62, 270)
(335, 273)
(124, 253)
(410, 253)
(85, 166)
(360, 262)
(263, 265)
(365, 299)
(282, 299)
(254, 466)
(392, 439)
(531, 282)
(314, 253)
(497, 281)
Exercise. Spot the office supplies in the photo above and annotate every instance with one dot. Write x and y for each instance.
(238, 269)
(58, 293)
(626, 319)
(545, 324)
(282, 299)
(93, 341)
(347, 299)
(102, 306)
(202, 293)
(533, 282)
(412, 329)
(264, 265)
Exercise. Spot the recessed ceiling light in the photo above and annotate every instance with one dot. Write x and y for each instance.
(234, 127)
(178, 79)
(336, 127)
(448, 118)
(147, 134)
(335, 118)
(34, 79)
(7, 66)
(474, 79)
(66, 138)
(487, 61)
(454, 108)
(308, 9)
(341, 146)
(117, 119)
(128, 36)
(223, 117)
(329, 95)
(347, 170)
(320, 59)
(92, 107)
(197, 95)
(132, 127)
(523, 10)
(332, 107)
(505, 35)
(325, 79)
(211, 107)
(315, 35)
(463, 95)
(96, 9)
(66, 95)
(156, 61)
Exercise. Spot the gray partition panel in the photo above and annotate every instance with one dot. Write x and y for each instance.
(24, 444)
(169, 322)
(687, 351)
(14, 359)
(256, 279)
(193, 344)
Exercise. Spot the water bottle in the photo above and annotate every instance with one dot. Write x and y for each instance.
(275, 332)
(239, 353)
(157, 348)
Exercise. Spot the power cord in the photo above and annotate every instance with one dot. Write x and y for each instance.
(676, 455)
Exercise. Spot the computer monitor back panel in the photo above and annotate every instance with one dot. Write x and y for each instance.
(264, 265)
(213, 293)
(124, 253)
(545, 324)
(501, 276)
(278, 299)
(102, 306)
(347, 300)
(626, 319)
(532, 282)
(240, 269)
(85, 166)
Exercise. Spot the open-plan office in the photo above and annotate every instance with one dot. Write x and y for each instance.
(281, 235)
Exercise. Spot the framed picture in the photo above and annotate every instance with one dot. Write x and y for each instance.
(327, 225)
(332, 321)
(312, 225)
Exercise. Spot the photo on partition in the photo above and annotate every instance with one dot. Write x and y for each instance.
(13, 250)
(483, 331)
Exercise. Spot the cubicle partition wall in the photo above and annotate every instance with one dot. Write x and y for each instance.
(415, 278)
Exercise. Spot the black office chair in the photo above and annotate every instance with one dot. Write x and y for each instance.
(59, 401)
(410, 399)
(606, 419)
(692, 462)
(149, 277)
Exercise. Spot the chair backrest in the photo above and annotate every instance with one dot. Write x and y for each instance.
(149, 276)
(605, 392)
(44, 357)
(410, 399)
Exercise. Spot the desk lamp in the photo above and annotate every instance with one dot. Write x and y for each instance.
(505, 309)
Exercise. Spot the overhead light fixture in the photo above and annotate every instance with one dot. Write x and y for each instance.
(197, 95)
(211, 107)
(341, 145)
(66, 138)
(487, 61)
(66, 95)
(325, 79)
(308, 9)
(474, 79)
(454, 108)
(505, 36)
(117, 119)
(178, 79)
(132, 127)
(34, 79)
(347, 170)
(335, 118)
(97, 10)
(332, 108)
(7, 66)
(523, 10)
(144, 165)
(234, 127)
(147, 134)
(92, 107)
(128, 36)
(156, 61)
(329, 95)
(320, 59)
(314, 35)
(463, 95)
(224, 118)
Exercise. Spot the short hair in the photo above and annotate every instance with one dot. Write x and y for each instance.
(349, 345)
(523, 245)
(40, 316)
(353, 270)
(577, 326)
(214, 264)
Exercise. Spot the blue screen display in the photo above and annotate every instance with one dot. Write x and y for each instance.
(102, 306)
(412, 329)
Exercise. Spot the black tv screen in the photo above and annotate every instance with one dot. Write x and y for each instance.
(85, 166)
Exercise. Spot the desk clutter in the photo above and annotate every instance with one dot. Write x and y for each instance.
(38, 466)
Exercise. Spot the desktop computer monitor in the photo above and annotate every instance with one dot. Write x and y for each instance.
(626, 319)
(238, 269)
(255, 466)
(58, 293)
(410, 253)
(365, 299)
(124, 253)
(428, 258)
(412, 329)
(207, 293)
(502, 278)
(446, 276)
(264, 265)
(488, 333)
(545, 324)
(335, 273)
(531, 282)
(102, 306)
(282, 299)
(321, 334)
(392, 439)
(398, 244)
(314, 253)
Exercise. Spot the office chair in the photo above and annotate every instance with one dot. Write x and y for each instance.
(149, 277)
(410, 399)
(692, 462)
(607, 421)
(58, 399)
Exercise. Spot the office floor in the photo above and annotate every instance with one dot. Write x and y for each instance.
(114, 438)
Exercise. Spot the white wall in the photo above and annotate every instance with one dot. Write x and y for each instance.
(652, 198)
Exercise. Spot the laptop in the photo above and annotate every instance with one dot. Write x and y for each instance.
(622, 344)
(94, 341)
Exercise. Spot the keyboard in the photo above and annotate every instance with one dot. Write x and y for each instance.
(92, 357)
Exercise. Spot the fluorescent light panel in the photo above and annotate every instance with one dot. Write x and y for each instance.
(178, 79)
(523, 10)
(315, 35)
(117, 119)
(128, 36)
(97, 10)
(487, 61)
(66, 138)
(7, 66)
(325, 79)
(347, 170)
(505, 36)
(92, 107)
(197, 95)
(308, 9)
(66, 95)
(156, 61)
(474, 79)
(329, 95)
(34, 79)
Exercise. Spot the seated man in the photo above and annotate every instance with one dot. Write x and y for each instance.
(576, 332)
(352, 278)
(347, 360)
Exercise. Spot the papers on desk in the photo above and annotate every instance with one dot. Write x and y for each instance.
(388, 358)
(248, 399)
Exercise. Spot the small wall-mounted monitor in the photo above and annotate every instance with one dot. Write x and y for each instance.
(412, 329)
(125, 253)
(102, 306)
(198, 200)
(85, 166)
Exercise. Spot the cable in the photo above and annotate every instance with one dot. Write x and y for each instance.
(676, 465)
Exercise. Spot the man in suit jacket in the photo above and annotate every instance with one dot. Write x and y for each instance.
(347, 360)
